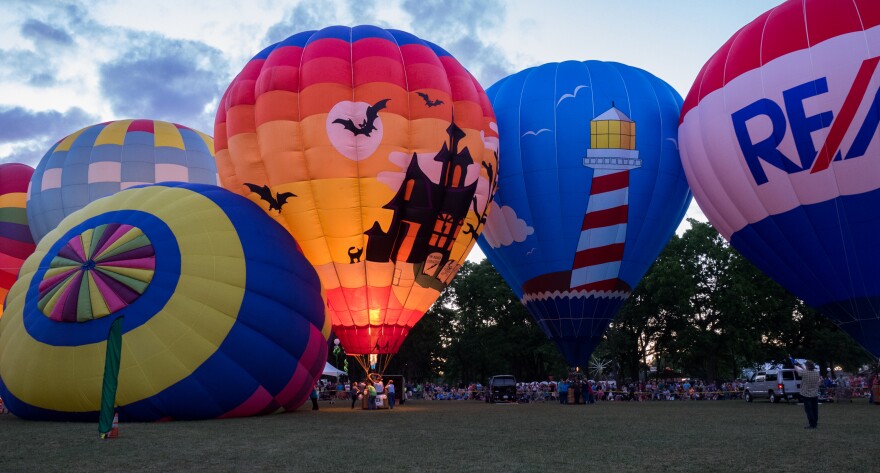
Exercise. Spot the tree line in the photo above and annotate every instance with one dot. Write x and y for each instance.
(701, 310)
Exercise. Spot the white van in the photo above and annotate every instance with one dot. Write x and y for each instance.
(774, 384)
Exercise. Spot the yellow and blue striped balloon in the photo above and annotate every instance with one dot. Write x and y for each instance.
(222, 314)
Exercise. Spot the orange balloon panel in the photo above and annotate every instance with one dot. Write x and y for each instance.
(378, 152)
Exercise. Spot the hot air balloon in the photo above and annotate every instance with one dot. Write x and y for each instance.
(779, 144)
(377, 151)
(590, 192)
(103, 159)
(16, 242)
(221, 316)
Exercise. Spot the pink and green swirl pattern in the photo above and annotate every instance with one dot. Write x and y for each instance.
(97, 273)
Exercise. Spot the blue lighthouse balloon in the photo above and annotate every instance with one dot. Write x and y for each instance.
(590, 190)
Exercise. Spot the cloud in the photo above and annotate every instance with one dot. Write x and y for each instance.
(503, 227)
(166, 79)
(460, 28)
(20, 65)
(45, 35)
(303, 17)
(28, 134)
(20, 124)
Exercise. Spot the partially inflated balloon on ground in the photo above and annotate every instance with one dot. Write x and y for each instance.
(16, 242)
(377, 150)
(222, 316)
(590, 190)
(780, 146)
(103, 159)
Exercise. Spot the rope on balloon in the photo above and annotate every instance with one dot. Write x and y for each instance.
(380, 361)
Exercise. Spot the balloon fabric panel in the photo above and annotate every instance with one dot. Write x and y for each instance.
(103, 159)
(16, 243)
(228, 292)
(778, 141)
(346, 137)
(590, 192)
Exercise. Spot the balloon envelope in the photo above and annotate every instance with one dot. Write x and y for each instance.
(377, 151)
(221, 315)
(103, 159)
(16, 242)
(590, 190)
(779, 143)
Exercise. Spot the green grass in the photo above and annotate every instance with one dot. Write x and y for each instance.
(469, 436)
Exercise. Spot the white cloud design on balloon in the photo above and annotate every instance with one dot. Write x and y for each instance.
(503, 227)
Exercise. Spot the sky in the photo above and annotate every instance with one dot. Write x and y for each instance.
(65, 65)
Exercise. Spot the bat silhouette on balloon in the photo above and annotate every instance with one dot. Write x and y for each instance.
(275, 201)
(430, 103)
(368, 125)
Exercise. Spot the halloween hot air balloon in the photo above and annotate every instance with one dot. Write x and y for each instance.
(103, 159)
(590, 191)
(16, 242)
(377, 151)
(779, 143)
(221, 316)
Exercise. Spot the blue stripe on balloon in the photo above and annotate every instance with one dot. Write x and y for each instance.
(824, 253)
(331, 32)
(271, 317)
(162, 286)
(562, 320)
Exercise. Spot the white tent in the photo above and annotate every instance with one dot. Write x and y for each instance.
(332, 371)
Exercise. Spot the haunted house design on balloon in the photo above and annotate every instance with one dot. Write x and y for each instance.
(428, 216)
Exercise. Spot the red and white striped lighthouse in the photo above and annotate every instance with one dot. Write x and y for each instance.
(612, 155)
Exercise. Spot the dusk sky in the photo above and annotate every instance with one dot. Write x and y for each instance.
(66, 65)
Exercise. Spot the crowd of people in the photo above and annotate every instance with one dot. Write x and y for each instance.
(588, 391)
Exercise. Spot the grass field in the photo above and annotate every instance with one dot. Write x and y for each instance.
(424, 436)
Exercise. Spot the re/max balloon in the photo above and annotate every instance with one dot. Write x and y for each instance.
(779, 143)
(103, 159)
(377, 151)
(16, 242)
(221, 316)
(590, 190)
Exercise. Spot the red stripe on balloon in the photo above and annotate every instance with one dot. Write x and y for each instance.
(599, 255)
(609, 182)
(141, 125)
(605, 218)
(845, 117)
(782, 32)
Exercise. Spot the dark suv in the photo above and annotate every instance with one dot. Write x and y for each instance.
(501, 388)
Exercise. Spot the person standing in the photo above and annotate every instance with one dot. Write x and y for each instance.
(355, 392)
(371, 396)
(810, 380)
(314, 397)
(390, 389)
(563, 392)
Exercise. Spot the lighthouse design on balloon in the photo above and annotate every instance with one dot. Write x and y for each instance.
(612, 155)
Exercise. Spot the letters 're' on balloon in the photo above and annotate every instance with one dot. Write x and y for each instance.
(590, 191)
(779, 143)
(378, 152)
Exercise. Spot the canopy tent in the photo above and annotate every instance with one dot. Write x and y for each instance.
(332, 371)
